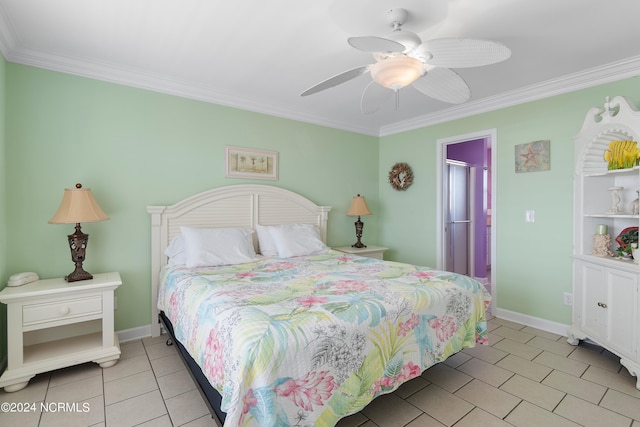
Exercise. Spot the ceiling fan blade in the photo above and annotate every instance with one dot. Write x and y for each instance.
(462, 53)
(375, 44)
(444, 85)
(336, 80)
(373, 97)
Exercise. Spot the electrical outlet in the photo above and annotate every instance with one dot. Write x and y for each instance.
(568, 299)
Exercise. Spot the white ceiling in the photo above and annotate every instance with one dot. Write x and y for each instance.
(259, 55)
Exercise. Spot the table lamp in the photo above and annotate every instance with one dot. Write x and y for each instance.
(78, 205)
(358, 207)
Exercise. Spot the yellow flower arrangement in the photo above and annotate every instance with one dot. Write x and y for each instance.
(622, 154)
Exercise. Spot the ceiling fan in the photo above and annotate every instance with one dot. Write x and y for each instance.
(403, 59)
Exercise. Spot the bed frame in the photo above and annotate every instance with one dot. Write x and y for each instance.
(244, 205)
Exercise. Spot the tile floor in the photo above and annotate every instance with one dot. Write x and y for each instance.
(527, 377)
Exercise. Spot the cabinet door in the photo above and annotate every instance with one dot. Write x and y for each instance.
(621, 312)
(592, 315)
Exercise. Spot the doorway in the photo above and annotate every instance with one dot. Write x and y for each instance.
(473, 153)
(459, 225)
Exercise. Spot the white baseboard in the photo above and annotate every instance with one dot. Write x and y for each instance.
(134, 333)
(534, 322)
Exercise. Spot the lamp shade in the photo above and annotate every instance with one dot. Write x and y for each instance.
(358, 207)
(396, 72)
(78, 205)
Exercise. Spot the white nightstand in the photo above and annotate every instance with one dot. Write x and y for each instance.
(370, 251)
(52, 324)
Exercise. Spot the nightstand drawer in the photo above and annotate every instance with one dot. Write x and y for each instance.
(34, 314)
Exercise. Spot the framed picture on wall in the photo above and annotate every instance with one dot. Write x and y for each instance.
(533, 157)
(241, 162)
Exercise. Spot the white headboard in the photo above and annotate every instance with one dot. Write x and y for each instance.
(232, 206)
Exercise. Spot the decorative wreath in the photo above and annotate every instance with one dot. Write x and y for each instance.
(401, 176)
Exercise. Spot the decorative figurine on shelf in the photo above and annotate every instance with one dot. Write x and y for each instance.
(635, 205)
(626, 239)
(616, 200)
(602, 242)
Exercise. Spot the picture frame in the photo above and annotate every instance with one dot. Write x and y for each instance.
(533, 157)
(252, 163)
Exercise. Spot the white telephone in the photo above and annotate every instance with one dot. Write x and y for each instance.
(20, 279)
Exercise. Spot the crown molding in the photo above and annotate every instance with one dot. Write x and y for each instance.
(135, 78)
(608, 73)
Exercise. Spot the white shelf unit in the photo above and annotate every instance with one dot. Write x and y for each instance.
(606, 299)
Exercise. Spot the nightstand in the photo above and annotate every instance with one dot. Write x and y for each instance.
(370, 251)
(52, 324)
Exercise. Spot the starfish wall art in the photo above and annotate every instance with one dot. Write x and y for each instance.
(533, 157)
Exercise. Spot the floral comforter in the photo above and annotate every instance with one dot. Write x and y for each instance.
(306, 341)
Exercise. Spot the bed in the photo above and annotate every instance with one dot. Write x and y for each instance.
(303, 335)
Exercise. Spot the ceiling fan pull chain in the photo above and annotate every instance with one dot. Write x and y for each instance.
(397, 99)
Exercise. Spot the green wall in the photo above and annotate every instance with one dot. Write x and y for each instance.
(533, 259)
(136, 148)
(3, 209)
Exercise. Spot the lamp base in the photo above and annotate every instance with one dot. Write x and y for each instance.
(78, 245)
(78, 274)
(359, 225)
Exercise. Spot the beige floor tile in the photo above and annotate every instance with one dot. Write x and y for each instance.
(127, 367)
(440, 404)
(502, 322)
(488, 398)
(390, 410)
(204, 421)
(74, 373)
(424, 420)
(513, 334)
(457, 359)
(490, 374)
(446, 377)
(558, 347)
(478, 417)
(526, 368)
(167, 365)
(87, 413)
(594, 355)
(175, 383)
(623, 383)
(588, 414)
(131, 349)
(160, 349)
(136, 410)
(575, 386)
(186, 407)
(487, 353)
(128, 387)
(411, 387)
(493, 338)
(354, 420)
(622, 403)
(544, 334)
(163, 421)
(77, 391)
(569, 366)
(539, 394)
(523, 350)
(529, 415)
(35, 391)
(24, 418)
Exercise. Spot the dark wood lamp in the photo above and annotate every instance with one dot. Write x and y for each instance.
(78, 205)
(358, 207)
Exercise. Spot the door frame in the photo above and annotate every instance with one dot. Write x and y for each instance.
(441, 158)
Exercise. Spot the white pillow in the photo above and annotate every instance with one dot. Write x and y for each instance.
(206, 247)
(175, 251)
(265, 241)
(293, 240)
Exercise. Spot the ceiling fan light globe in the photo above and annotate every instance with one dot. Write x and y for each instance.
(396, 72)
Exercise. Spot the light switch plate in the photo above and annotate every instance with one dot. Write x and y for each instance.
(530, 216)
